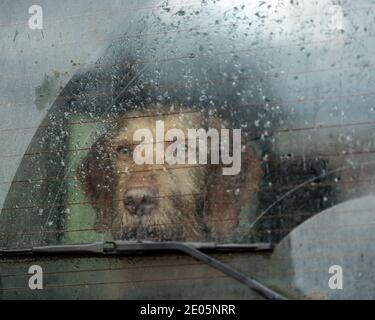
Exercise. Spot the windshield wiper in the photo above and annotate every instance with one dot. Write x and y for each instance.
(193, 249)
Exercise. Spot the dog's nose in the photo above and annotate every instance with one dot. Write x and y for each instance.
(141, 201)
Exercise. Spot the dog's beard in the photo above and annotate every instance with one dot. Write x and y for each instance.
(145, 232)
(177, 219)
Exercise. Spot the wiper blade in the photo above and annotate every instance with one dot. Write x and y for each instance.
(193, 249)
(130, 247)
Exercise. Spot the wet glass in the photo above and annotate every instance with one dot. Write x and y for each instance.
(293, 79)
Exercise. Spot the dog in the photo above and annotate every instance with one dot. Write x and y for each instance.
(163, 202)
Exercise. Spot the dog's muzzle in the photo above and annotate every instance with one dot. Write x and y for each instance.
(141, 201)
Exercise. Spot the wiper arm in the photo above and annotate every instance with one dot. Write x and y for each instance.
(193, 249)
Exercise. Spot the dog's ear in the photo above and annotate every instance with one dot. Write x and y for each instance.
(97, 176)
(228, 194)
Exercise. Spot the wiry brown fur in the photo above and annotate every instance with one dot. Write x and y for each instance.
(196, 202)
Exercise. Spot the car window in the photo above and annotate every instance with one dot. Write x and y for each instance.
(225, 121)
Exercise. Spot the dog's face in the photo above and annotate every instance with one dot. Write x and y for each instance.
(181, 202)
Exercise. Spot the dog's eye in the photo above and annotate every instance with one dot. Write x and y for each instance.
(123, 151)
